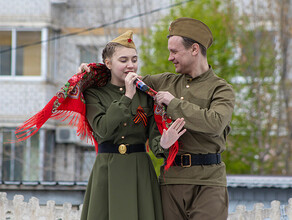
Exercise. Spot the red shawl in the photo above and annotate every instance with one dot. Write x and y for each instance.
(69, 103)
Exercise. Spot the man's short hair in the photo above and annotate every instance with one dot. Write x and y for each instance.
(188, 42)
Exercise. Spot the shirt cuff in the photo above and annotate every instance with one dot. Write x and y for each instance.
(172, 106)
(157, 150)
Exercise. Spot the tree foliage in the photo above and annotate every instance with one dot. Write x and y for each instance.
(259, 119)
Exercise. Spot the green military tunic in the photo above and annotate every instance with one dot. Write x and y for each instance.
(206, 103)
(121, 186)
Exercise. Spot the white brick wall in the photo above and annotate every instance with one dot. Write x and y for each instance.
(25, 10)
(89, 13)
(24, 98)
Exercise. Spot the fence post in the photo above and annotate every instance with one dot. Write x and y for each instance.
(3, 205)
(275, 212)
(258, 208)
(238, 214)
(33, 208)
(289, 209)
(80, 211)
(67, 211)
(19, 207)
(50, 210)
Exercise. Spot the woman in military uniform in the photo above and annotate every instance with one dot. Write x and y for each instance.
(123, 183)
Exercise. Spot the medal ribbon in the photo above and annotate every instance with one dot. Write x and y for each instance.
(140, 116)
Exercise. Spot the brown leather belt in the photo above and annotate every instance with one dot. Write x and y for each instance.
(188, 160)
(107, 147)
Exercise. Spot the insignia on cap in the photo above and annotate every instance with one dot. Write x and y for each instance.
(125, 39)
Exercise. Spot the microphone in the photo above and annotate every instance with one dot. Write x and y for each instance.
(144, 88)
(141, 85)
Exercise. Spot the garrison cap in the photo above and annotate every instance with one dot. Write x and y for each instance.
(193, 29)
(125, 39)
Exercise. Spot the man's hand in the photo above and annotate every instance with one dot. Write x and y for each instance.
(170, 136)
(163, 98)
(83, 67)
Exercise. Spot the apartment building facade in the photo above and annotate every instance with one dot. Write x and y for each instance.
(42, 43)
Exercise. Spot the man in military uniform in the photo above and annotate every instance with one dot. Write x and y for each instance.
(195, 186)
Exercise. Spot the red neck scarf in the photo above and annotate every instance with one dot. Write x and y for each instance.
(69, 103)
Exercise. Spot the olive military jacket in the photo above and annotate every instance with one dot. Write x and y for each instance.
(111, 113)
(206, 103)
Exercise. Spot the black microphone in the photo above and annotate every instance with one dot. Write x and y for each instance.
(141, 85)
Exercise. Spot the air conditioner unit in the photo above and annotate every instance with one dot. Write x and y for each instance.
(66, 135)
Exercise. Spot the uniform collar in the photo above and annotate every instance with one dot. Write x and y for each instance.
(204, 76)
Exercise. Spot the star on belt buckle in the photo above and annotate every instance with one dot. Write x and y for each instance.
(122, 149)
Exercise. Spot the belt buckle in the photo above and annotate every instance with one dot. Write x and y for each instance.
(122, 149)
(190, 161)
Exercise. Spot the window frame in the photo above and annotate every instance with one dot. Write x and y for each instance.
(26, 172)
(44, 55)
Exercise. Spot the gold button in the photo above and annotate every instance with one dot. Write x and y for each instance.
(122, 149)
(125, 124)
(169, 117)
(182, 98)
(187, 86)
(123, 137)
(121, 89)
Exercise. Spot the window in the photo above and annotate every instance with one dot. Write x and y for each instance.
(20, 53)
(13, 155)
(28, 59)
(5, 55)
(49, 156)
(26, 160)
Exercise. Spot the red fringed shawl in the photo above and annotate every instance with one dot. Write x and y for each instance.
(69, 103)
